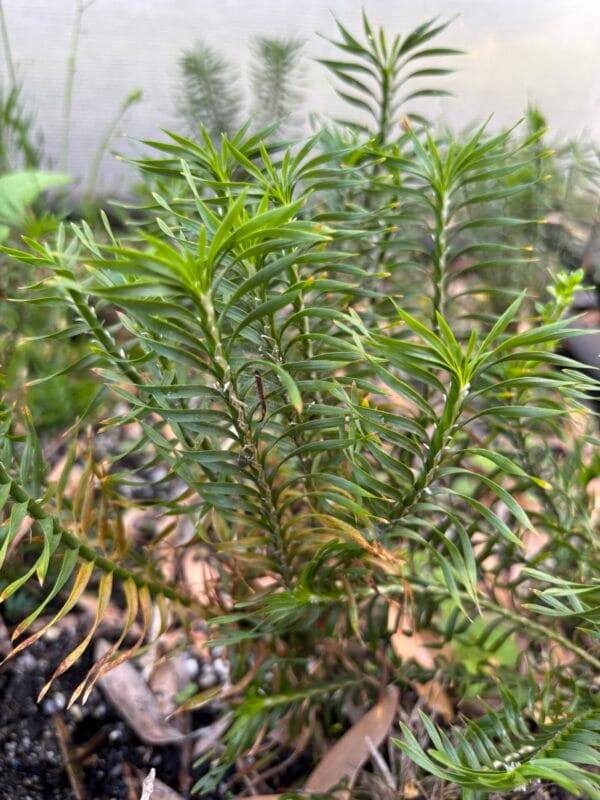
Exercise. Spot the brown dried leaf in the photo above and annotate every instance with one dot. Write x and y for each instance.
(261, 797)
(211, 735)
(413, 646)
(200, 577)
(167, 679)
(593, 490)
(416, 646)
(73, 479)
(112, 619)
(5, 645)
(154, 789)
(350, 753)
(125, 688)
(436, 699)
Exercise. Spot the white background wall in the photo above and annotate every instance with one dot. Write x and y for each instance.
(544, 50)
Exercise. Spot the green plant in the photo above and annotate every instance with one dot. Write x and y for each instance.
(207, 95)
(366, 451)
(374, 74)
(274, 78)
(210, 98)
(23, 187)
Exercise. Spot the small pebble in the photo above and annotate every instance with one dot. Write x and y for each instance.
(49, 706)
(221, 669)
(27, 661)
(99, 711)
(191, 667)
(76, 712)
(52, 634)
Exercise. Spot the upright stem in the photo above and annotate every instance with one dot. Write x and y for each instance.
(10, 64)
(440, 258)
(384, 107)
(437, 449)
(92, 178)
(248, 444)
(70, 82)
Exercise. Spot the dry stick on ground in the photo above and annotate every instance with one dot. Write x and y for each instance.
(69, 757)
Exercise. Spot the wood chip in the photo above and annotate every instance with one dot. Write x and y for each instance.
(346, 758)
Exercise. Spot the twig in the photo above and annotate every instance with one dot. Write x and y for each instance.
(70, 762)
(380, 764)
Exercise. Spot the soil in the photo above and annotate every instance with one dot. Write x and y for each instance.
(32, 766)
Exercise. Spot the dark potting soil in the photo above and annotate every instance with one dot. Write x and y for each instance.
(31, 764)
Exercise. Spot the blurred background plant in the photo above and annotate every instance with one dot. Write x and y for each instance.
(210, 96)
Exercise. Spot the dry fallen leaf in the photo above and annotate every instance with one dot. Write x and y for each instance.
(155, 789)
(261, 797)
(129, 694)
(211, 735)
(112, 619)
(593, 491)
(148, 785)
(436, 699)
(5, 645)
(416, 646)
(200, 577)
(168, 677)
(348, 755)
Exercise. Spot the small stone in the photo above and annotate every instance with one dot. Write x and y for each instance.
(52, 634)
(76, 712)
(221, 669)
(191, 667)
(27, 661)
(49, 706)
(99, 711)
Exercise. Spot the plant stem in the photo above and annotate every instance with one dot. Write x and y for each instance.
(238, 408)
(440, 257)
(10, 65)
(70, 81)
(92, 179)
(437, 449)
(384, 107)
